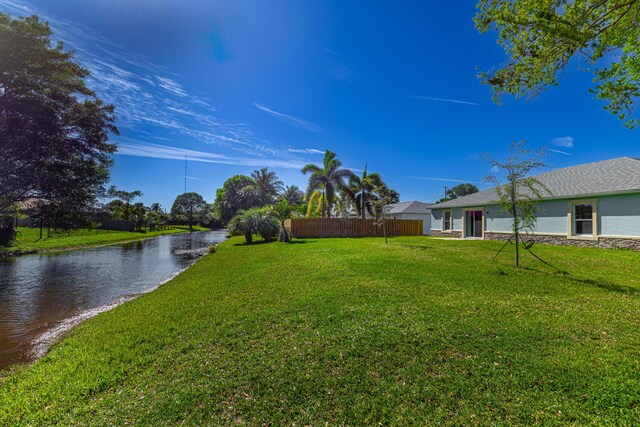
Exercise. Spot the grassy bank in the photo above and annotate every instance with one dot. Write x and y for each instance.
(28, 239)
(353, 331)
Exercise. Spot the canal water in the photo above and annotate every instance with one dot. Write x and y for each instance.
(42, 296)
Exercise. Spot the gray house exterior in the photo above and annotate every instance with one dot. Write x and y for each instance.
(595, 204)
(411, 210)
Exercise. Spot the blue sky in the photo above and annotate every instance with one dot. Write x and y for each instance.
(240, 85)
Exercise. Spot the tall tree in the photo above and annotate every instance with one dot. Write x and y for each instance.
(266, 185)
(328, 179)
(293, 195)
(362, 190)
(520, 194)
(121, 207)
(235, 195)
(459, 190)
(190, 207)
(542, 36)
(317, 205)
(54, 131)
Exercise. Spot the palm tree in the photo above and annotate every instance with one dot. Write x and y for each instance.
(316, 204)
(293, 195)
(344, 205)
(267, 185)
(282, 211)
(363, 191)
(243, 223)
(254, 221)
(328, 179)
(384, 196)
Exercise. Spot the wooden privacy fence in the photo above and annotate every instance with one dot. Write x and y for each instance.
(352, 227)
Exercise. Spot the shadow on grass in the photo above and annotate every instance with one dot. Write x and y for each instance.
(420, 247)
(254, 243)
(600, 283)
(300, 242)
(262, 242)
(610, 286)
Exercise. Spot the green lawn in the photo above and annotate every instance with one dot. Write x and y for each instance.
(28, 239)
(353, 331)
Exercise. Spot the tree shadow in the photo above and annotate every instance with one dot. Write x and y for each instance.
(600, 283)
(255, 242)
(610, 286)
(419, 247)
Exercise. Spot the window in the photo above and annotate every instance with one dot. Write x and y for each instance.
(446, 221)
(583, 219)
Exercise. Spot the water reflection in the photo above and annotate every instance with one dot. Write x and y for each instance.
(38, 291)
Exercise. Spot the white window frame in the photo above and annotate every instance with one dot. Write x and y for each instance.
(571, 220)
(450, 229)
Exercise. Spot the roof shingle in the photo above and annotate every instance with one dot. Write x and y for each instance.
(620, 175)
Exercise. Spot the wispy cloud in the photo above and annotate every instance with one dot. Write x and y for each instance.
(193, 178)
(563, 141)
(431, 98)
(292, 120)
(559, 152)
(305, 150)
(428, 178)
(171, 86)
(157, 151)
(340, 67)
(150, 100)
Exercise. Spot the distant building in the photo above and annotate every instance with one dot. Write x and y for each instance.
(411, 210)
(595, 204)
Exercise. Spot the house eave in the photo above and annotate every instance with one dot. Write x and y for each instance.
(566, 197)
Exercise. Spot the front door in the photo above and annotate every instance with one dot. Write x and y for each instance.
(473, 224)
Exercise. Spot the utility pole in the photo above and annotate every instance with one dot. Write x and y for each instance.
(445, 190)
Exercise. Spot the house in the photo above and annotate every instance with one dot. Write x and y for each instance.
(411, 210)
(595, 204)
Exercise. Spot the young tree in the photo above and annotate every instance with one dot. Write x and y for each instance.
(54, 131)
(190, 207)
(520, 194)
(385, 196)
(542, 36)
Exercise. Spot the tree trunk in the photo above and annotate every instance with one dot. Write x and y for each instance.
(284, 234)
(364, 203)
(515, 222)
(384, 226)
(248, 237)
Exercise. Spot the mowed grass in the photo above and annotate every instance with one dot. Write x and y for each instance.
(28, 239)
(355, 332)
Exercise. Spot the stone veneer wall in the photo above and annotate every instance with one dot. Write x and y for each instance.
(438, 233)
(602, 242)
